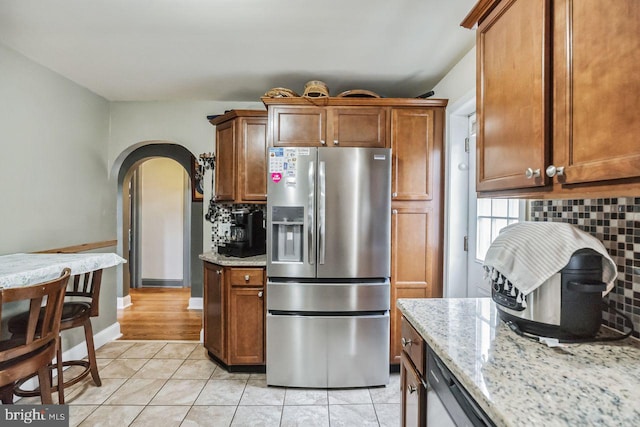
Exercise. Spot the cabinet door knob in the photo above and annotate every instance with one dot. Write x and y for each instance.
(532, 173)
(394, 211)
(335, 142)
(323, 142)
(412, 389)
(218, 271)
(260, 294)
(246, 277)
(394, 194)
(405, 342)
(552, 171)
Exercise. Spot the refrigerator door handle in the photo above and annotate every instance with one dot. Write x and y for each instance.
(321, 212)
(311, 249)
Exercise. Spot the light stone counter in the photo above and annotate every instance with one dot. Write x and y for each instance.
(230, 261)
(519, 382)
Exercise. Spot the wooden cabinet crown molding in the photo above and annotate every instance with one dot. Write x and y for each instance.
(355, 102)
(480, 10)
(233, 114)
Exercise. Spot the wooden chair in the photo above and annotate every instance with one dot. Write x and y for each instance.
(81, 303)
(31, 353)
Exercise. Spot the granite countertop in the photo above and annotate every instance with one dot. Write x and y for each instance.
(519, 382)
(230, 261)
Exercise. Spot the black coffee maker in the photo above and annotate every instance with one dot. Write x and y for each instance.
(247, 235)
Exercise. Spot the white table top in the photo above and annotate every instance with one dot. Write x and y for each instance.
(28, 269)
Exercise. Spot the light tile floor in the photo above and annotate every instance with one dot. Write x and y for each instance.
(163, 384)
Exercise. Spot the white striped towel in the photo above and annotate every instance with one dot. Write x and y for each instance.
(528, 253)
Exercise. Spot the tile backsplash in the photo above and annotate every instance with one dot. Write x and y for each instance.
(615, 222)
(221, 220)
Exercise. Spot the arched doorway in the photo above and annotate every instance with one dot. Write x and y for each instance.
(128, 170)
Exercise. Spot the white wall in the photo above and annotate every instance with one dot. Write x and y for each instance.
(459, 80)
(53, 169)
(180, 122)
(162, 198)
(459, 87)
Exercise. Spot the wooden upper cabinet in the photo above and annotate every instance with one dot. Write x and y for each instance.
(557, 92)
(596, 91)
(415, 154)
(320, 123)
(252, 163)
(358, 127)
(298, 126)
(241, 156)
(225, 179)
(513, 110)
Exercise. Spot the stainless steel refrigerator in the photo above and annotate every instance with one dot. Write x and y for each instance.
(328, 266)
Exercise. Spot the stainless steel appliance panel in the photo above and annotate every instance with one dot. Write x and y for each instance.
(294, 237)
(297, 351)
(327, 351)
(359, 351)
(543, 304)
(328, 297)
(354, 213)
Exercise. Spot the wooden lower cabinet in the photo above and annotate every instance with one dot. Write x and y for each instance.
(413, 395)
(214, 309)
(246, 326)
(234, 314)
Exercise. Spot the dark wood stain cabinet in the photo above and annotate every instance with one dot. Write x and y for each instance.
(234, 314)
(557, 88)
(596, 90)
(414, 130)
(513, 81)
(241, 150)
(299, 123)
(413, 368)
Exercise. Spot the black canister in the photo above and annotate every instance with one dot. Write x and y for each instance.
(582, 287)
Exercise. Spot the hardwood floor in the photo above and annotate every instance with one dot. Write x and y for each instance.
(160, 314)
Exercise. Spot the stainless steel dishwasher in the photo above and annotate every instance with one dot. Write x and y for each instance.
(459, 405)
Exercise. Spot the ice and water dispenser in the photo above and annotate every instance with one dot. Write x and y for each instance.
(287, 241)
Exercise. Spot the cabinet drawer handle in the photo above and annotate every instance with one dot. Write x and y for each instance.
(246, 277)
(532, 173)
(405, 342)
(335, 142)
(552, 171)
(260, 294)
(412, 389)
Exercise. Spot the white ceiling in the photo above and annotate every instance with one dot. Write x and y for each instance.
(235, 50)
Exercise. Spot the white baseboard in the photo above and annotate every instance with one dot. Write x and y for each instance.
(79, 351)
(124, 302)
(195, 303)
